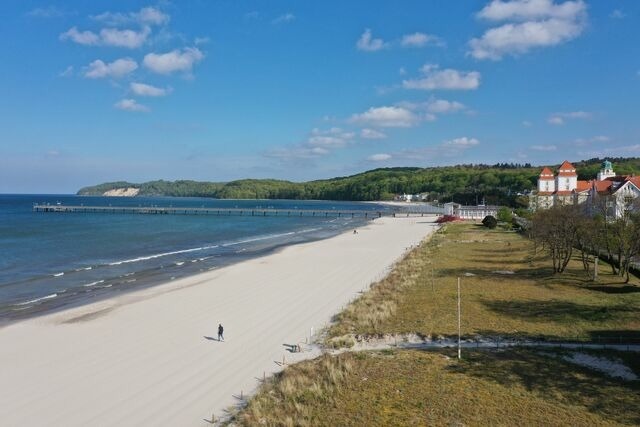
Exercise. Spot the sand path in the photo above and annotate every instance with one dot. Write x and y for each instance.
(148, 358)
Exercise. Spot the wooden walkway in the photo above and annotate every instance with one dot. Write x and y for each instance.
(156, 210)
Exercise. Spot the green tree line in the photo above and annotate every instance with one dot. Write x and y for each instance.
(495, 184)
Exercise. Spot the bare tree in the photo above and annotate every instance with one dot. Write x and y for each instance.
(556, 230)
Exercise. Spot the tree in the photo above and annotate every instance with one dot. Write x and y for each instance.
(505, 215)
(556, 230)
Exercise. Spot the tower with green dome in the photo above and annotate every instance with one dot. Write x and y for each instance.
(606, 171)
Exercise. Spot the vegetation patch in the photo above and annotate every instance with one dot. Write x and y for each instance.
(413, 387)
(420, 294)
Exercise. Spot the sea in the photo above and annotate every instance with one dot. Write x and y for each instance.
(51, 261)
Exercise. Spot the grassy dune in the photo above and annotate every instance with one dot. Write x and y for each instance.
(412, 387)
(488, 387)
(420, 294)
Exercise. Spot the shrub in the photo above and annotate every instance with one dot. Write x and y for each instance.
(489, 221)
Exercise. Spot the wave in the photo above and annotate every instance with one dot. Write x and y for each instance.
(93, 283)
(83, 269)
(58, 274)
(202, 248)
(33, 301)
(256, 239)
(145, 258)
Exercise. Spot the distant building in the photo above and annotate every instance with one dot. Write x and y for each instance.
(608, 193)
(411, 197)
(478, 212)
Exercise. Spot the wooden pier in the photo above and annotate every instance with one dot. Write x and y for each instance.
(256, 212)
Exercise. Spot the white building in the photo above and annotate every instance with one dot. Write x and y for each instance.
(470, 212)
(608, 193)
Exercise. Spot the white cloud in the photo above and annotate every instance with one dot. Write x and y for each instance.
(296, 153)
(176, 60)
(201, 40)
(442, 106)
(419, 40)
(319, 143)
(386, 117)
(334, 138)
(381, 157)
(131, 105)
(119, 68)
(87, 38)
(67, 71)
(124, 38)
(559, 118)
(544, 147)
(617, 14)
(284, 19)
(527, 123)
(142, 89)
(152, 16)
(108, 37)
(372, 134)
(146, 16)
(520, 38)
(367, 43)
(435, 78)
(402, 71)
(525, 10)
(450, 149)
(462, 143)
(536, 23)
(46, 12)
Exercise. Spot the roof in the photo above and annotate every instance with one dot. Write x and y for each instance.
(564, 193)
(567, 169)
(603, 187)
(583, 186)
(635, 180)
(546, 171)
(546, 174)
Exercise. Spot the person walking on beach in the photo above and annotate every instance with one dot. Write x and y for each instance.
(220, 332)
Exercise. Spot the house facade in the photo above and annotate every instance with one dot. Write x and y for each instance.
(470, 212)
(609, 194)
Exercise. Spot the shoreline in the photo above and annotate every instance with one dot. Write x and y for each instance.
(149, 356)
(50, 304)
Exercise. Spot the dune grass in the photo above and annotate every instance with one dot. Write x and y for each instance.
(508, 290)
(413, 387)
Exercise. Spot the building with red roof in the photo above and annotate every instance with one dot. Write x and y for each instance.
(609, 193)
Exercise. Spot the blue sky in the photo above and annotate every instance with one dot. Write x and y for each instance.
(220, 90)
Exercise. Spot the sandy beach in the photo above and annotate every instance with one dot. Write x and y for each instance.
(152, 357)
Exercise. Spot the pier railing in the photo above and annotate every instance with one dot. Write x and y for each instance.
(259, 212)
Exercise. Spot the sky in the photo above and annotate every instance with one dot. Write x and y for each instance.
(217, 90)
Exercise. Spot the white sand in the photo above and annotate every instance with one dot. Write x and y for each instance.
(143, 359)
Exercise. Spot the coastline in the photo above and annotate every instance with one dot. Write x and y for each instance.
(149, 356)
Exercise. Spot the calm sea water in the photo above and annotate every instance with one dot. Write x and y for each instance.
(53, 260)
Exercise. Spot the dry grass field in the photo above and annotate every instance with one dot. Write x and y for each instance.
(508, 290)
(413, 387)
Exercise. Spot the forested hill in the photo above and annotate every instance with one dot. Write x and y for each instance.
(498, 183)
